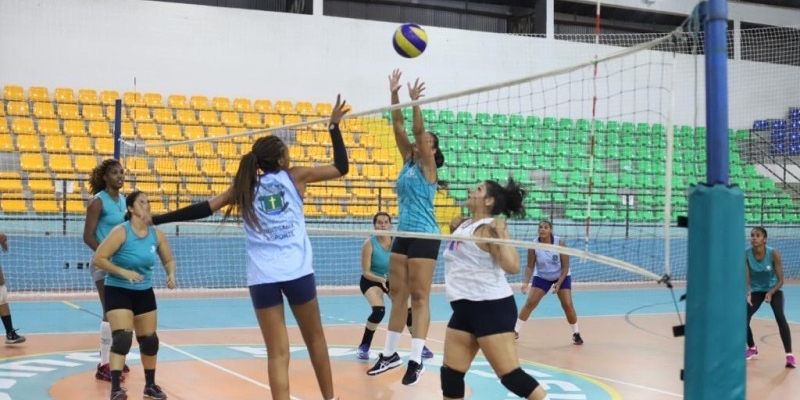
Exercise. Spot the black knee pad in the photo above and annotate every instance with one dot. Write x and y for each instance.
(452, 382)
(519, 383)
(148, 345)
(377, 315)
(121, 341)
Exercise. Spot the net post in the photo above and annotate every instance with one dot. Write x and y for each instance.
(117, 127)
(715, 329)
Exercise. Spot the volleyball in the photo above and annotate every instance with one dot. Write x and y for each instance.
(410, 40)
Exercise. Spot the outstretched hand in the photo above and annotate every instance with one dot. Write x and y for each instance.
(394, 80)
(415, 91)
(339, 110)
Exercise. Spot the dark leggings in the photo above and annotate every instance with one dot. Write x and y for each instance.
(777, 308)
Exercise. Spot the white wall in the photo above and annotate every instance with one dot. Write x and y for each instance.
(178, 48)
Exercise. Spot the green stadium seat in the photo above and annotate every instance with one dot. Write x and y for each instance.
(628, 127)
(499, 174)
(496, 132)
(562, 164)
(533, 121)
(429, 116)
(549, 123)
(612, 127)
(514, 134)
(768, 185)
(612, 180)
(516, 120)
(600, 126)
(547, 135)
(460, 130)
(559, 178)
(464, 175)
(458, 194)
(483, 119)
(583, 125)
(468, 160)
(464, 117)
(563, 150)
(442, 130)
(492, 146)
(535, 214)
(642, 128)
(472, 145)
(547, 149)
(507, 161)
(478, 131)
(566, 124)
(482, 174)
(528, 148)
(500, 119)
(447, 117)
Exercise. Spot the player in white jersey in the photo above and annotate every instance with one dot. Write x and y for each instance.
(483, 303)
(550, 270)
(279, 254)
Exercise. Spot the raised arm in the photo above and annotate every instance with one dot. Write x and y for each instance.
(93, 212)
(341, 165)
(196, 211)
(507, 256)
(424, 141)
(398, 120)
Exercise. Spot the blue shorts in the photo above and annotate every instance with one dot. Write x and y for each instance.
(297, 291)
(546, 285)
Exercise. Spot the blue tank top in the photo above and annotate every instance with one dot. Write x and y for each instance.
(548, 263)
(379, 264)
(136, 254)
(762, 273)
(415, 201)
(281, 250)
(112, 214)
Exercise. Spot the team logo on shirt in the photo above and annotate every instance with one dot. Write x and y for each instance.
(273, 203)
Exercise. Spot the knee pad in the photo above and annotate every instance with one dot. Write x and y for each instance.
(452, 382)
(519, 383)
(377, 315)
(148, 345)
(3, 294)
(121, 341)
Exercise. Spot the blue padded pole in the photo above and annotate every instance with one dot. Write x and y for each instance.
(714, 364)
(117, 127)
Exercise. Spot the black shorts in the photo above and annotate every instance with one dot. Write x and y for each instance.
(484, 318)
(367, 284)
(297, 291)
(138, 301)
(416, 248)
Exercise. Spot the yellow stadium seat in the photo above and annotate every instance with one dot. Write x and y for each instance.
(211, 167)
(204, 150)
(253, 121)
(219, 188)
(87, 97)
(177, 101)
(61, 163)
(284, 107)
(381, 155)
(171, 132)
(43, 110)
(136, 165)
(40, 182)
(304, 108)
(231, 167)
(108, 97)
(216, 131)
(163, 116)
(333, 210)
(242, 105)
(76, 206)
(49, 127)
(78, 145)
(228, 150)
(188, 167)
(318, 154)
(199, 103)
(74, 128)
(186, 117)
(359, 155)
(262, 106)
(366, 140)
(363, 193)
(311, 209)
(104, 146)
(6, 144)
(339, 192)
(99, 129)
(297, 153)
(197, 189)
(13, 206)
(93, 113)
(4, 125)
(361, 211)
(324, 139)
(153, 100)
(181, 150)
(2, 109)
(170, 187)
(133, 99)
(149, 187)
(46, 206)
(65, 95)
(32, 162)
(209, 118)
(221, 104)
(17, 108)
(157, 205)
(85, 164)
(372, 171)
(152, 150)
(195, 132)
(141, 114)
(273, 120)
(389, 171)
(324, 109)
(306, 138)
(127, 131)
(147, 132)
(68, 111)
(13, 93)
(10, 183)
(112, 116)
(28, 144)
(55, 144)
(231, 119)
(166, 166)
(38, 93)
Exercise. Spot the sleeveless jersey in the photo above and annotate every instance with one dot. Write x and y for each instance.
(415, 201)
(379, 263)
(548, 263)
(136, 254)
(471, 273)
(762, 273)
(112, 214)
(281, 250)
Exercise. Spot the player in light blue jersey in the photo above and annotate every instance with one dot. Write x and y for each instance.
(413, 260)
(267, 191)
(764, 282)
(128, 255)
(550, 271)
(105, 211)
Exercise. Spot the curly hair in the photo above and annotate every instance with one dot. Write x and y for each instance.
(97, 181)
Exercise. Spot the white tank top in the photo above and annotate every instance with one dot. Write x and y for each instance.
(471, 273)
(548, 263)
(281, 251)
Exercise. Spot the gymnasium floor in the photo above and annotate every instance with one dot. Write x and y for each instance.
(211, 349)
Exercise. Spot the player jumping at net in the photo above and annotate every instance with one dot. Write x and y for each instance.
(128, 254)
(550, 270)
(279, 253)
(105, 211)
(374, 282)
(12, 337)
(764, 282)
(413, 260)
(483, 303)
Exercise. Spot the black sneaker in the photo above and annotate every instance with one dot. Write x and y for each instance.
(385, 363)
(413, 373)
(119, 394)
(577, 339)
(14, 338)
(154, 392)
